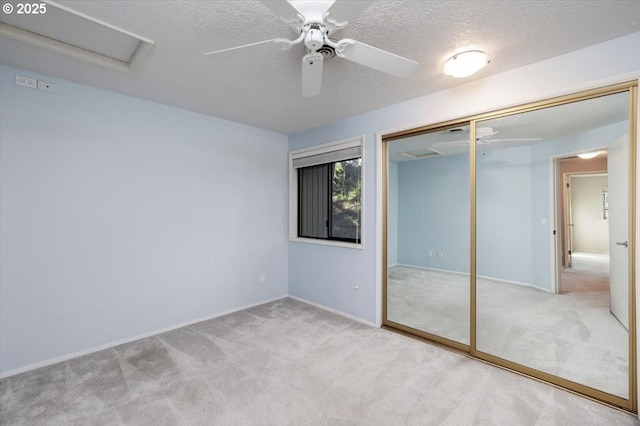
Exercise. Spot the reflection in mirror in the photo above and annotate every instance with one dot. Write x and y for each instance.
(552, 280)
(428, 233)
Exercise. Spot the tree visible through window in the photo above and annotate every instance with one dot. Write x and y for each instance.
(345, 200)
(329, 200)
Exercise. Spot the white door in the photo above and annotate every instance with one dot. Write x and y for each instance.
(619, 238)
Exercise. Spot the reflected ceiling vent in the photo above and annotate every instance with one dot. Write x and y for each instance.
(421, 154)
(63, 30)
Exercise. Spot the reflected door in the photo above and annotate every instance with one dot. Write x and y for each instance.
(618, 208)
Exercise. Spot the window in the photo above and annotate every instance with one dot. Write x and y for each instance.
(326, 193)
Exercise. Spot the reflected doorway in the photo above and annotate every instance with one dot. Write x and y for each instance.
(583, 224)
(588, 273)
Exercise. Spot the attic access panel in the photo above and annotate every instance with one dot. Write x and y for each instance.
(66, 31)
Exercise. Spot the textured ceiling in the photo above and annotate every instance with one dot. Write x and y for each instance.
(265, 91)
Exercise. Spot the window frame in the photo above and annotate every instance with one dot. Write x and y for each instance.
(353, 141)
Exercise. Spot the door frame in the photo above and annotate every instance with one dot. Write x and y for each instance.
(560, 212)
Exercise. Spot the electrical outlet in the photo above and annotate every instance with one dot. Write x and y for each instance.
(440, 255)
(262, 278)
(47, 87)
(26, 82)
(429, 253)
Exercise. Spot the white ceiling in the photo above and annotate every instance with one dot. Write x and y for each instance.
(265, 91)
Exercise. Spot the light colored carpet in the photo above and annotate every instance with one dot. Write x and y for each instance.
(589, 273)
(287, 363)
(573, 335)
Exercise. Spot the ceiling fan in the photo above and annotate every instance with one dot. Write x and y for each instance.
(483, 138)
(316, 21)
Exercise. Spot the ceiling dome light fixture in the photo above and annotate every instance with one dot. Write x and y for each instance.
(589, 155)
(464, 64)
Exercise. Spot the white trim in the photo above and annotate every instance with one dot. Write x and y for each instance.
(379, 228)
(334, 311)
(484, 277)
(518, 283)
(142, 50)
(97, 21)
(553, 219)
(428, 268)
(557, 241)
(324, 242)
(293, 190)
(110, 345)
(328, 147)
(63, 48)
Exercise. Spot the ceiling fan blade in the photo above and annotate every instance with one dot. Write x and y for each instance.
(347, 10)
(282, 8)
(378, 59)
(311, 74)
(524, 140)
(247, 50)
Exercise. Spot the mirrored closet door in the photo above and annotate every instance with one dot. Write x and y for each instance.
(428, 233)
(572, 324)
(508, 236)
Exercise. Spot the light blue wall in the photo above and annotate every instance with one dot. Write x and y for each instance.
(326, 275)
(329, 275)
(503, 224)
(433, 212)
(120, 217)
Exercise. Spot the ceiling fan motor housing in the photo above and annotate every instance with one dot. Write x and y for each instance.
(314, 38)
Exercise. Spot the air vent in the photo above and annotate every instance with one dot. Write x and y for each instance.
(63, 30)
(422, 154)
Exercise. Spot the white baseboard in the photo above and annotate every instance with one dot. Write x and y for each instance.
(335, 311)
(518, 283)
(485, 277)
(428, 268)
(110, 345)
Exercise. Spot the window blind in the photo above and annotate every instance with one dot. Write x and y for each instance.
(328, 157)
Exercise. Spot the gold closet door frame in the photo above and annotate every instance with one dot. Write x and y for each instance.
(630, 404)
(386, 323)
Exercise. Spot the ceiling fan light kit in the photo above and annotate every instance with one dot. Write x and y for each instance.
(315, 22)
(467, 63)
